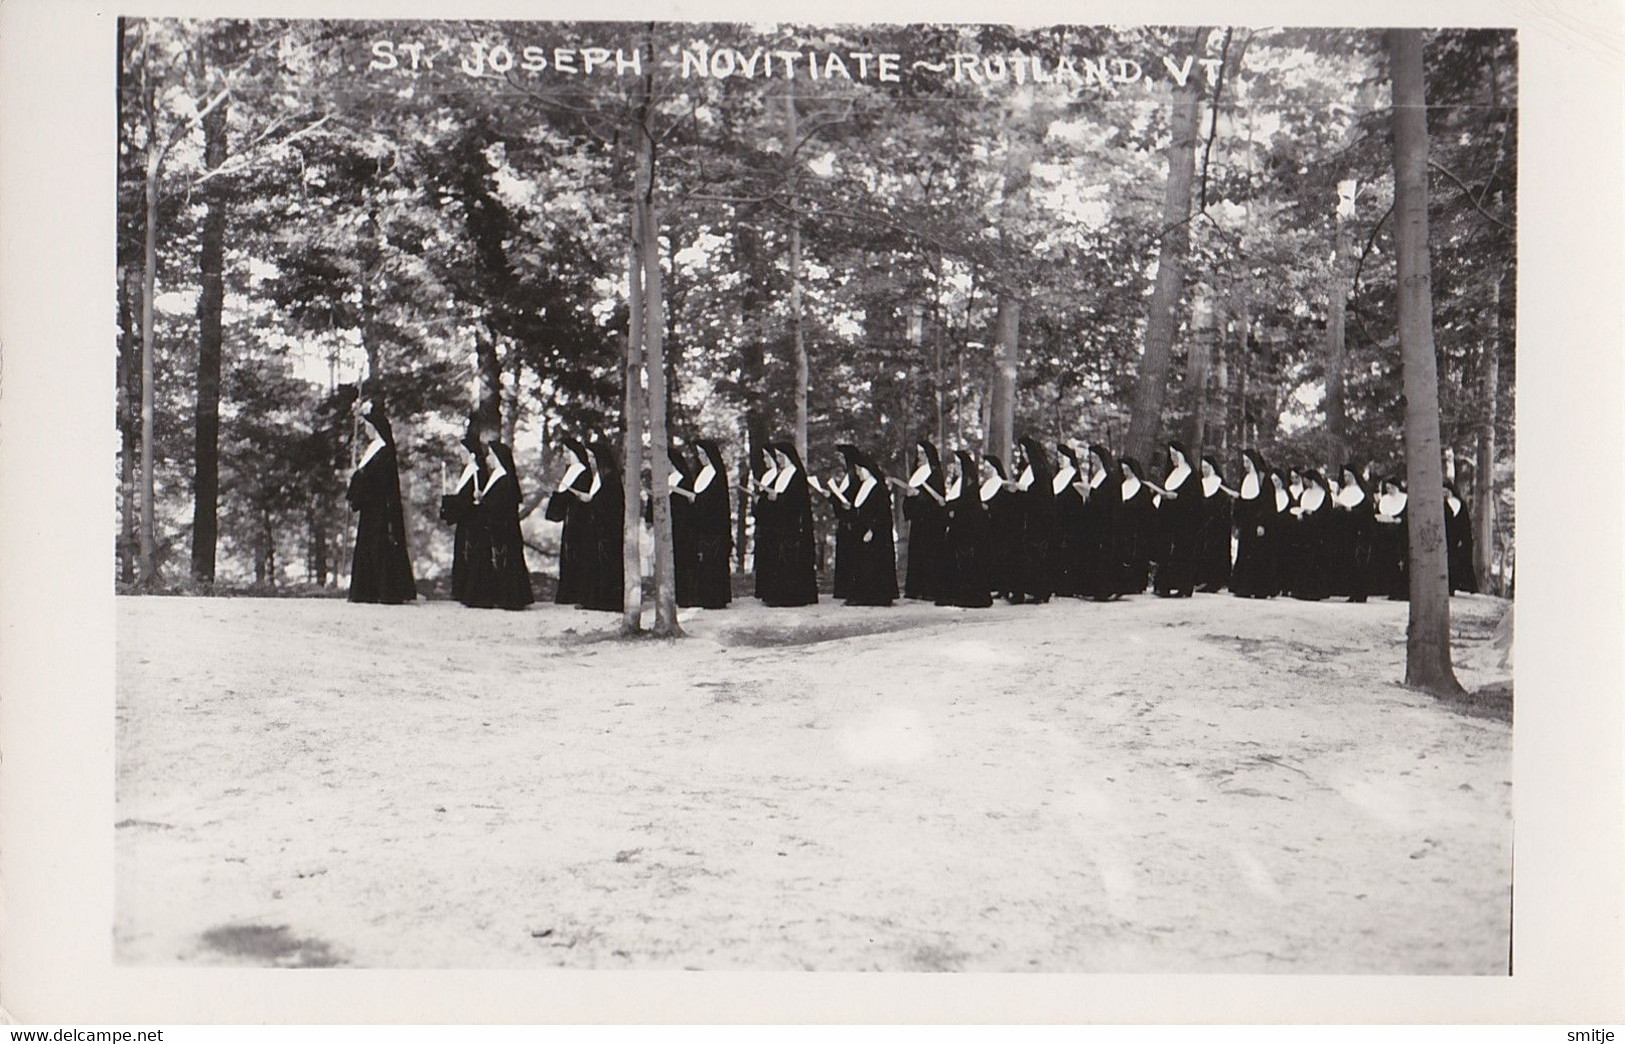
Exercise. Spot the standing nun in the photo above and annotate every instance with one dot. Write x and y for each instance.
(1181, 515)
(839, 492)
(1458, 539)
(1136, 526)
(680, 482)
(1254, 573)
(1312, 552)
(1100, 566)
(1280, 533)
(871, 578)
(1040, 524)
(1001, 545)
(965, 581)
(713, 530)
(605, 576)
(569, 505)
(1356, 520)
(765, 514)
(926, 512)
(1217, 518)
(1068, 512)
(499, 514)
(1390, 546)
(796, 557)
(381, 570)
(457, 508)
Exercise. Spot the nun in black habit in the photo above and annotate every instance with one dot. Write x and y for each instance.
(1213, 573)
(1180, 513)
(603, 580)
(1135, 526)
(680, 483)
(457, 509)
(1313, 559)
(1391, 545)
(795, 570)
(1100, 567)
(1280, 532)
(839, 492)
(965, 581)
(1039, 523)
(1355, 519)
(1001, 545)
(713, 530)
(1067, 557)
(1458, 540)
(926, 511)
(1253, 575)
(871, 577)
(507, 582)
(765, 513)
(381, 569)
(569, 505)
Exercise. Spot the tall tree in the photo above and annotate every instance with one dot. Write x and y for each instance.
(1162, 321)
(210, 307)
(1427, 646)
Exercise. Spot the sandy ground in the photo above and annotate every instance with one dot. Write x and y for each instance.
(1197, 785)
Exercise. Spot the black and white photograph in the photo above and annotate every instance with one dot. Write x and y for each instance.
(956, 494)
(831, 495)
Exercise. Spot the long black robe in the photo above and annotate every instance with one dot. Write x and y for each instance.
(1136, 529)
(498, 509)
(795, 556)
(1253, 575)
(1353, 531)
(457, 509)
(685, 558)
(1181, 531)
(765, 514)
(1314, 558)
(713, 531)
(927, 519)
(1067, 555)
(1458, 540)
(381, 568)
(1284, 536)
(1001, 546)
(575, 540)
(603, 580)
(1100, 566)
(1213, 570)
(1391, 549)
(965, 582)
(1040, 525)
(871, 577)
(840, 503)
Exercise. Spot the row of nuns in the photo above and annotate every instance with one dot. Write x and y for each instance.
(1086, 525)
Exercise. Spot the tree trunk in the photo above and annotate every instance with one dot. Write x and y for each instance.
(797, 332)
(488, 410)
(659, 461)
(1484, 474)
(128, 389)
(1337, 436)
(510, 414)
(1145, 418)
(149, 277)
(1006, 352)
(632, 440)
(1427, 646)
(211, 304)
(1198, 357)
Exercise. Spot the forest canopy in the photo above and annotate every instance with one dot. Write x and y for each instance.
(862, 233)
